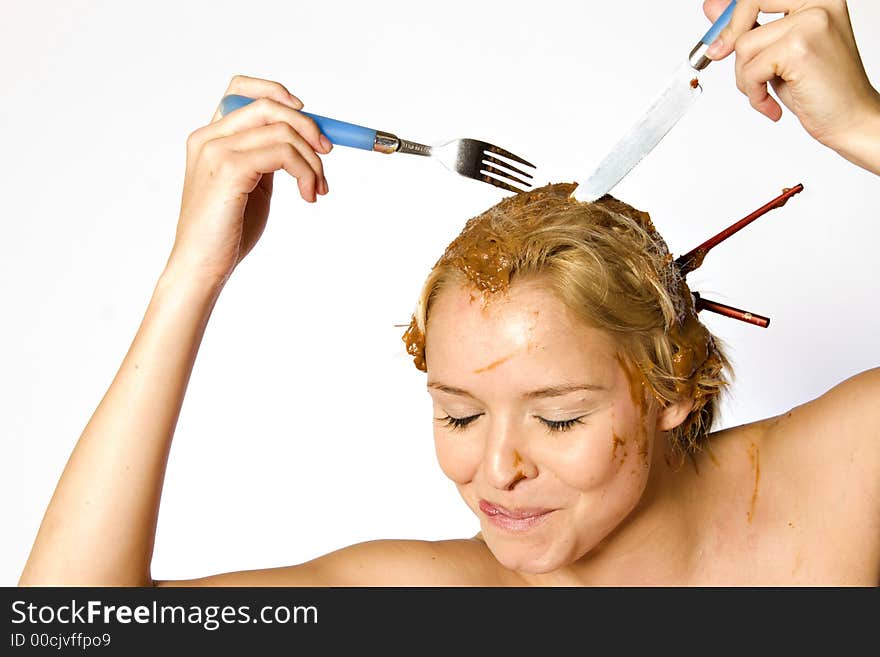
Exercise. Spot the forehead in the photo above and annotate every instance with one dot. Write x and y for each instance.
(525, 335)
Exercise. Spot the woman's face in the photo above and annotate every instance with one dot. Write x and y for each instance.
(536, 422)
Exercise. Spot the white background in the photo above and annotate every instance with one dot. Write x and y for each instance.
(306, 427)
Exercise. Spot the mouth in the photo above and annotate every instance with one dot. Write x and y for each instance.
(514, 520)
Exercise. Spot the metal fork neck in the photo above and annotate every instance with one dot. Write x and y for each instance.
(385, 142)
(414, 148)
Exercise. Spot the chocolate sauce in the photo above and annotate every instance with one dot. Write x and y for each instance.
(754, 457)
(483, 254)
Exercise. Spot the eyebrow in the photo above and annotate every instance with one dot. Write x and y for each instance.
(552, 391)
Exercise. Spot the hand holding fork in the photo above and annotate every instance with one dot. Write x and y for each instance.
(471, 158)
(230, 165)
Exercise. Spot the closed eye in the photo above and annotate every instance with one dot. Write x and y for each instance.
(458, 422)
(561, 425)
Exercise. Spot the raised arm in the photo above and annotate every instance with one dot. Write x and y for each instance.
(100, 525)
(811, 60)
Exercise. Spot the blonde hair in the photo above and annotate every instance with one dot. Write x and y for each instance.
(609, 265)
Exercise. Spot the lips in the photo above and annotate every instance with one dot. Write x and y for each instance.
(515, 520)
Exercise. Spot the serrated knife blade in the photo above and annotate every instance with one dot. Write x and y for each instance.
(662, 114)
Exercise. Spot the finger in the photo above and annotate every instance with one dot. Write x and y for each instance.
(272, 134)
(267, 183)
(714, 8)
(745, 15)
(756, 41)
(753, 79)
(259, 88)
(762, 37)
(263, 111)
(273, 157)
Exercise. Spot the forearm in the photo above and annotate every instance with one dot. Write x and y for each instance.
(861, 145)
(100, 525)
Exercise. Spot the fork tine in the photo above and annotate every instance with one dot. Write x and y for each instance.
(501, 163)
(499, 183)
(488, 168)
(516, 158)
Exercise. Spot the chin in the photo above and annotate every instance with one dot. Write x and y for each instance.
(526, 559)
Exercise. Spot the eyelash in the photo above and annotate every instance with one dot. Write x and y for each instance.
(553, 426)
(561, 425)
(455, 423)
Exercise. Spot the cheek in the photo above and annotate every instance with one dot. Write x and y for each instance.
(630, 436)
(458, 456)
(585, 463)
(616, 443)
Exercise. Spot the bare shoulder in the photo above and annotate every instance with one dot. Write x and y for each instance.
(464, 562)
(822, 455)
(822, 465)
(842, 425)
(801, 489)
(853, 400)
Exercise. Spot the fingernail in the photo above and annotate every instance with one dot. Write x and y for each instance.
(326, 144)
(326, 186)
(295, 102)
(716, 48)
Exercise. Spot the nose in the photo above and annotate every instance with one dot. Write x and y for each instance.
(504, 462)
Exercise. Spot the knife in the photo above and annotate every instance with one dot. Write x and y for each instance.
(663, 113)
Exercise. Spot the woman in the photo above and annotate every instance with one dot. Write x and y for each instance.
(573, 388)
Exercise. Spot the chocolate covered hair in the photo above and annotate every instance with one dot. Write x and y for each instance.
(608, 264)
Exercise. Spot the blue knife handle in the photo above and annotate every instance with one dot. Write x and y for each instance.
(722, 22)
(338, 132)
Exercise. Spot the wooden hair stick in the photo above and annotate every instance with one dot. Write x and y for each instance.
(729, 311)
(693, 259)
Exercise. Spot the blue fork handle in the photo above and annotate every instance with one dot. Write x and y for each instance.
(338, 132)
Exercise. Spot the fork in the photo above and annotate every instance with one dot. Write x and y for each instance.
(471, 158)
